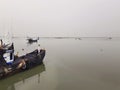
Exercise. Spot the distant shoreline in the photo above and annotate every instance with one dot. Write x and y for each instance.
(59, 37)
(63, 37)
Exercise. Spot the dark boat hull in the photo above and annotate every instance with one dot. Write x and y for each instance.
(24, 62)
(30, 40)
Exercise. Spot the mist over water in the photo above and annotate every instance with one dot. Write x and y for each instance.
(69, 64)
(60, 18)
(81, 38)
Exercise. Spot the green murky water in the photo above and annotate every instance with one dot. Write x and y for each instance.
(70, 64)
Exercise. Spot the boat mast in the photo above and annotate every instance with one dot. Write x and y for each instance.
(8, 32)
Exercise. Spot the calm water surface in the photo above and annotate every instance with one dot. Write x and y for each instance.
(69, 64)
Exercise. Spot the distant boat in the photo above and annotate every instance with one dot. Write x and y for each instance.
(32, 40)
(109, 38)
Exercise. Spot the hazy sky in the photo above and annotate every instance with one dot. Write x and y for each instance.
(60, 17)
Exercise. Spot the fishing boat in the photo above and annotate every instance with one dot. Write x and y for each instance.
(32, 40)
(14, 63)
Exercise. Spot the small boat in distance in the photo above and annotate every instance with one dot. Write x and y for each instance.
(32, 40)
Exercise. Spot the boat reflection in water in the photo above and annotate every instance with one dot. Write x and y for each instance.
(20, 79)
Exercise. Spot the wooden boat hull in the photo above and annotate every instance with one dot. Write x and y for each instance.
(24, 62)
